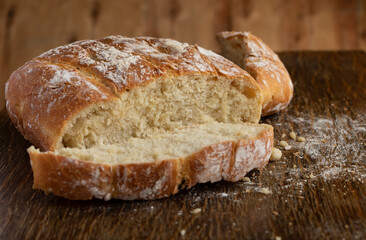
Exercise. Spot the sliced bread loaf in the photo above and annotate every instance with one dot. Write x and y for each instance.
(132, 118)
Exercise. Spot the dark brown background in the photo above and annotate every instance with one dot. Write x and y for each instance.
(30, 27)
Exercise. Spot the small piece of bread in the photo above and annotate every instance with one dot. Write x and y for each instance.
(300, 139)
(246, 179)
(196, 210)
(265, 190)
(288, 147)
(276, 154)
(136, 118)
(253, 55)
(292, 135)
(283, 143)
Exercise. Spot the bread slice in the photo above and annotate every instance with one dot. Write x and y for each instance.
(132, 118)
(253, 55)
(156, 166)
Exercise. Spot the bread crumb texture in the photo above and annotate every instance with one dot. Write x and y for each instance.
(162, 105)
(168, 145)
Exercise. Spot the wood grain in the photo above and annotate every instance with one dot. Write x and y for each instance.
(29, 28)
(318, 187)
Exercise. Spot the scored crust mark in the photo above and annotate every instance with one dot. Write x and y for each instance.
(254, 56)
(87, 74)
(98, 59)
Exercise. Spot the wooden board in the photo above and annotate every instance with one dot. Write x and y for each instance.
(318, 187)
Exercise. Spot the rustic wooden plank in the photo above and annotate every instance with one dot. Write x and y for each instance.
(199, 21)
(361, 14)
(133, 18)
(32, 27)
(37, 26)
(319, 20)
(259, 17)
(318, 187)
(130, 18)
(346, 21)
(299, 25)
(6, 21)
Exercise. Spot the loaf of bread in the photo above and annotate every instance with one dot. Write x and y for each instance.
(253, 55)
(136, 118)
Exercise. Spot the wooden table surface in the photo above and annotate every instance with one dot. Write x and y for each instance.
(318, 187)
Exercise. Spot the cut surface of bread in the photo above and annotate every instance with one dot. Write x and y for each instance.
(163, 105)
(134, 118)
(253, 55)
(168, 145)
(155, 166)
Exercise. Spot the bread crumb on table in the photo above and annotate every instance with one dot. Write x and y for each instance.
(288, 147)
(292, 135)
(183, 232)
(266, 191)
(276, 154)
(195, 211)
(283, 135)
(246, 179)
(283, 143)
(301, 139)
(278, 238)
